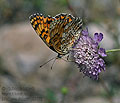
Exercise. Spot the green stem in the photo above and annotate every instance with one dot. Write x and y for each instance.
(112, 50)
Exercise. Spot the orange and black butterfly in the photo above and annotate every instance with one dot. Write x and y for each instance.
(59, 33)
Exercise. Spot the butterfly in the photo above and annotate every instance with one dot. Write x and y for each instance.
(59, 33)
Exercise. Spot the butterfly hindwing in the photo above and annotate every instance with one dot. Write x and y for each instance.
(64, 32)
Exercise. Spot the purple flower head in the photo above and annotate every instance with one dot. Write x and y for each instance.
(85, 32)
(88, 55)
(102, 52)
(98, 37)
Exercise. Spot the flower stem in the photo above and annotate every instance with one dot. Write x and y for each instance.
(112, 50)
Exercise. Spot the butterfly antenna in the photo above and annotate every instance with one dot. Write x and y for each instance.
(48, 61)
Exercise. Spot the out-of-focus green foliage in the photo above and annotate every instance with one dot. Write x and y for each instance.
(64, 90)
(50, 96)
(62, 2)
(18, 10)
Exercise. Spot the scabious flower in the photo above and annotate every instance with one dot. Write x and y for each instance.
(88, 54)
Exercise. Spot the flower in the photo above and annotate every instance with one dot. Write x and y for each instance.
(88, 54)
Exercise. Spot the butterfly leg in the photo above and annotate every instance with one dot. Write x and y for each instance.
(68, 57)
(53, 62)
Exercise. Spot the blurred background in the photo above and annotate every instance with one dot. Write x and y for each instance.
(22, 52)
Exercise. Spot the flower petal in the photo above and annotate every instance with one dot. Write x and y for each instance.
(85, 32)
(102, 52)
(98, 37)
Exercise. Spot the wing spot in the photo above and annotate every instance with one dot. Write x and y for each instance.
(47, 31)
(43, 31)
(45, 36)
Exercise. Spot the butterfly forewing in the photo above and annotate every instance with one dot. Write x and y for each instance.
(41, 25)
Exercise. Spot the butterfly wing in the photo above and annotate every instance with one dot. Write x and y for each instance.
(59, 32)
(41, 25)
(64, 30)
